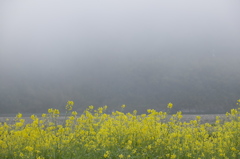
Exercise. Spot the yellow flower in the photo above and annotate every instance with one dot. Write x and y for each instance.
(106, 154)
(143, 115)
(134, 151)
(198, 117)
(233, 149)
(91, 107)
(105, 107)
(69, 105)
(71, 118)
(19, 115)
(33, 117)
(99, 132)
(29, 148)
(189, 155)
(135, 112)
(19, 124)
(168, 155)
(173, 156)
(56, 111)
(170, 105)
(149, 146)
(21, 155)
(149, 110)
(123, 106)
(50, 110)
(74, 113)
(121, 156)
(129, 142)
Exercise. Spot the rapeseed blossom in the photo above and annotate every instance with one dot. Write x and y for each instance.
(170, 105)
(19, 115)
(95, 134)
(106, 155)
(123, 106)
(121, 156)
(29, 148)
(69, 105)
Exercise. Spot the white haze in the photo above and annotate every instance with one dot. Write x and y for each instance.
(80, 41)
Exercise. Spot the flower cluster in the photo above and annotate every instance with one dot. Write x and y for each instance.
(95, 134)
(69, 105)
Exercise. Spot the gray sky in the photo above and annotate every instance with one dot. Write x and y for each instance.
(114, 51)
(54, 34)
(44, 24)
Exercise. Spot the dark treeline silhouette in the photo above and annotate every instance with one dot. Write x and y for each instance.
(194, 83)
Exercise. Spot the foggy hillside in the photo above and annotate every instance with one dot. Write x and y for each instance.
(144, 54)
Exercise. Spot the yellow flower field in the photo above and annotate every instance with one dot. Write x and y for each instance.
(96, 134)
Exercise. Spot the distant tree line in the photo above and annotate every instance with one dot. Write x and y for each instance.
(194, 83)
